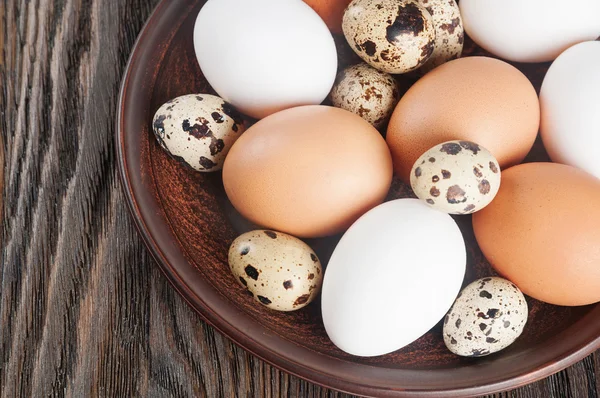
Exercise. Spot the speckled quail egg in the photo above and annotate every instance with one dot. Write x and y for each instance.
(488, 316)
(456, 177)
(198, 130)
(282, 272)
(449, 32)
(394, 36)
(367, 92)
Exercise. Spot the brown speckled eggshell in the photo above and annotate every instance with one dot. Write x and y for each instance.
(456, 177)
(198, 130)
(449, 32)
(367, 92)
(488, 316)
(281, 272)
(394, 36)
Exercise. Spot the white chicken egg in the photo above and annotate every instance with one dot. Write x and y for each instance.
(392, 277)
(532, 30)
(570, 108)
(264, 56)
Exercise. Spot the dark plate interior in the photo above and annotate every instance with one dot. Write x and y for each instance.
(188, 224)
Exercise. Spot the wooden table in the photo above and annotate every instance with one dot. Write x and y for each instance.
(84, 310)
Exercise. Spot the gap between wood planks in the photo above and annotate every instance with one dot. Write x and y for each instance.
(2, 105)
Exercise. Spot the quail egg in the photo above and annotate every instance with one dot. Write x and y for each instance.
(449, 32)
(394, 36)
(367, 92)
(488, 316)
(280, 271)
(456, 177)
(198, 130)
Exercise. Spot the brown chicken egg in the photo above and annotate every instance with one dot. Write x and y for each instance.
(331, 11)
(476, 99)
(309, 171)
(542, 232)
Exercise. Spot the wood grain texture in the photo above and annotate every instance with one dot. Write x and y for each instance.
(84, 311)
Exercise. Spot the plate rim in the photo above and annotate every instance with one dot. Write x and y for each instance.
(246, 341)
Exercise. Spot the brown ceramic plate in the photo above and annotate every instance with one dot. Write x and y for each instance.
(188, 224)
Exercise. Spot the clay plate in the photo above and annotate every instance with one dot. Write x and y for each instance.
(188, 224)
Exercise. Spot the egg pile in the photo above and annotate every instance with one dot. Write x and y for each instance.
(299, 169)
